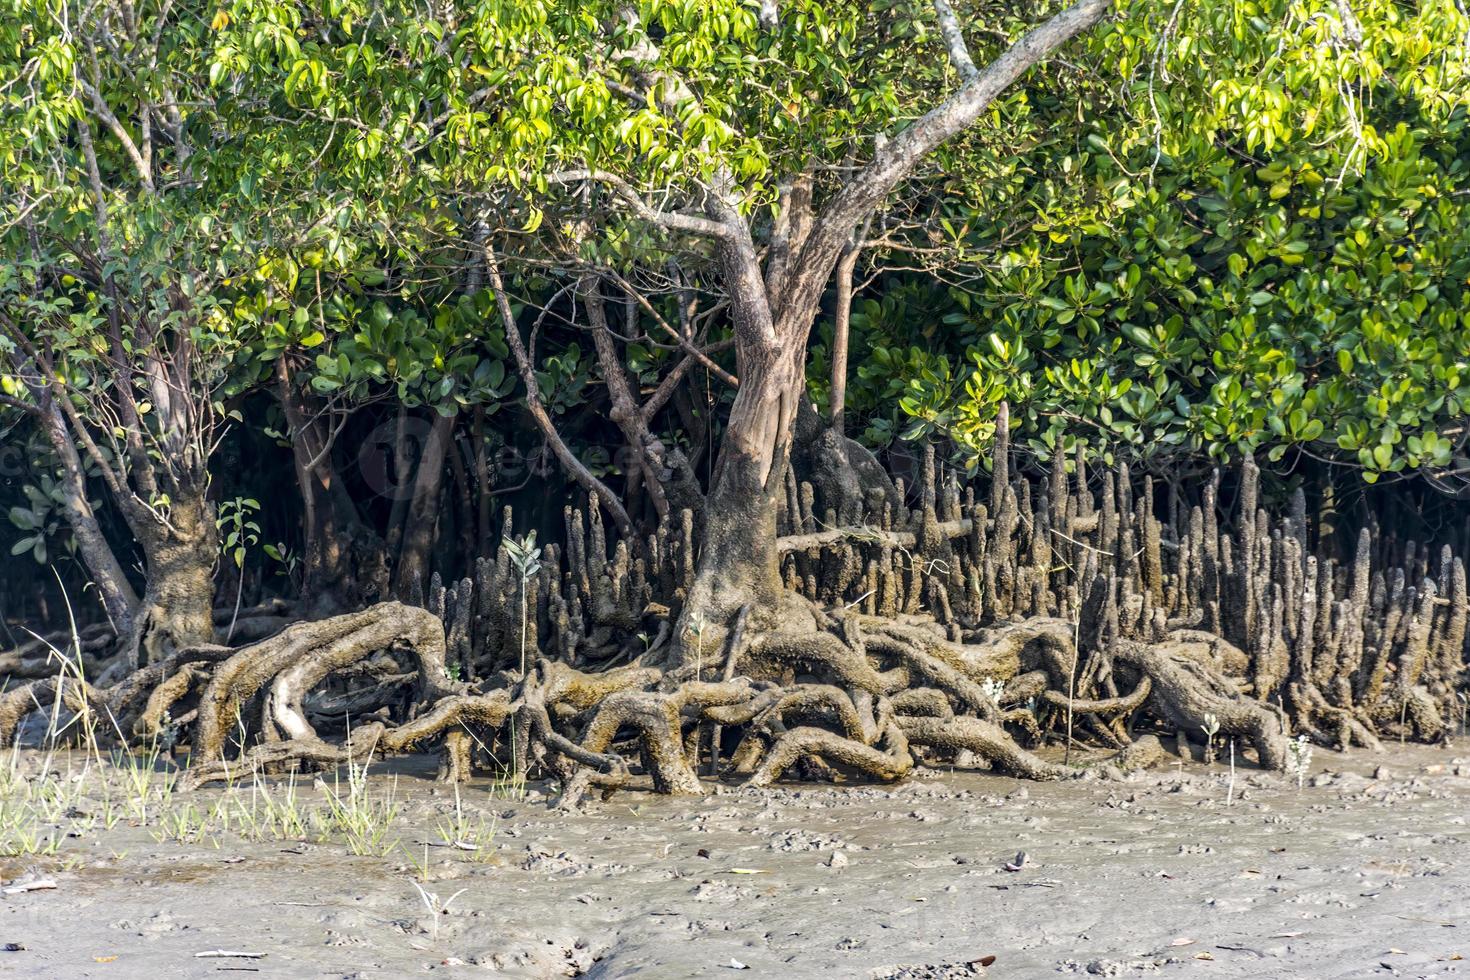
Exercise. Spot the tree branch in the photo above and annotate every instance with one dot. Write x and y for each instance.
(627, 414)
(665, 389)
(573, 466)
(140, 161)
(737, 255)
(685, 344)
(954, 39)
(896, 160)
(117, 594)
(673, 220)
(19, 405)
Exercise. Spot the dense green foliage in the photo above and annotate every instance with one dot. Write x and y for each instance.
(1261, 241)
(1211, 228)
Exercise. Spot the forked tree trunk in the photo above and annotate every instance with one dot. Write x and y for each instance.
(773, 307)
(774, 294)
(739, 563)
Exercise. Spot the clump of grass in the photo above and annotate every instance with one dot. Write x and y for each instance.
(185, 824)
(467, 832)
(276, 816)
(148, 783)
(364, 821)
(420, 866)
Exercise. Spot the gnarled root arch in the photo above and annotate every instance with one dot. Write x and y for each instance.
(841, 692)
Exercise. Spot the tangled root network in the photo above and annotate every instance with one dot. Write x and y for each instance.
(1061, 611)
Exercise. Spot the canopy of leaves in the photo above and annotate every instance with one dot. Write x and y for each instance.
(1212, 227)
(1260, 241)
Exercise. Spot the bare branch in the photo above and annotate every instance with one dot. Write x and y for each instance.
(954, 39)
(20, 405)
(685, 344)
(896, 160)
(673, 220)
(665, 389)
(573, 466)
(627, 414)
(141, 163)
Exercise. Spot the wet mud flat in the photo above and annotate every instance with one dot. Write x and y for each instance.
(1362, 871)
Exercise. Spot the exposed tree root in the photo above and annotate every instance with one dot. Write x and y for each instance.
(887, 761)
(1189, 693)
(43, 695)
(446, 720)
(655, 720)
(300, 657)
(851, 694)
(978, 736)
(1061, 613)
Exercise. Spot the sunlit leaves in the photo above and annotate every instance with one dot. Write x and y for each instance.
(1265, 234)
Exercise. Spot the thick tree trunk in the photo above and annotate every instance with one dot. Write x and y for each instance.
(739, 563)
(177, 609)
